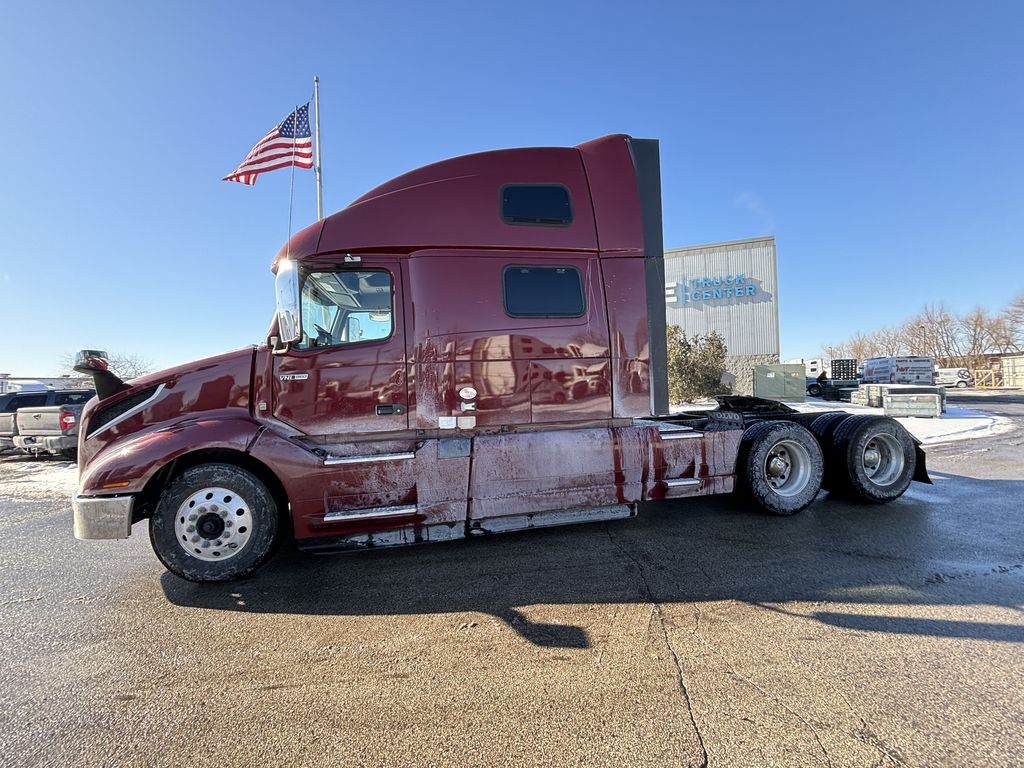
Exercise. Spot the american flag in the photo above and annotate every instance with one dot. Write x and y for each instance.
(288, 143)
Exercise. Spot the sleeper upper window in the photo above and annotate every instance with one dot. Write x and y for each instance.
(538, 204)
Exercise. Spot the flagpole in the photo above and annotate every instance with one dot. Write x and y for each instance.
(291, 186)
(319, 178)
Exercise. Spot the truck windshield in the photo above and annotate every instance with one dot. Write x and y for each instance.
(345, 307)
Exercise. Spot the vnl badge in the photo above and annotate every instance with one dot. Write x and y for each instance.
(293, 376)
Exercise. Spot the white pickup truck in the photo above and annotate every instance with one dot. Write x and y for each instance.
(45, 422)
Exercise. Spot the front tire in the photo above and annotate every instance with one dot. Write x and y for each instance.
(214, 522)
(780, 466)
(961, 384)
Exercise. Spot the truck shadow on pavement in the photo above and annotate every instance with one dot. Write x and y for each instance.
(954, 543)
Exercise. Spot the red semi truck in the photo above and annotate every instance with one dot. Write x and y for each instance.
(474, 347)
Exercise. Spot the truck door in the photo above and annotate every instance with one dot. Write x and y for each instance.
(346, 376)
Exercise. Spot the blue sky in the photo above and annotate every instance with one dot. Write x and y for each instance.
(881, 143)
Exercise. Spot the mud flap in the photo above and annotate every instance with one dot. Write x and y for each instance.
(920, 470)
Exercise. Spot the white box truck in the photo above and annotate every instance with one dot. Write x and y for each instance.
(898, 370)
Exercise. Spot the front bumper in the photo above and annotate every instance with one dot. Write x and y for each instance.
(103, 517)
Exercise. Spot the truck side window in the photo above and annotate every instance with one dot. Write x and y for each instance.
(345, 307)
(71, 398)
(29, 401)
(537, 204)
(543, 291)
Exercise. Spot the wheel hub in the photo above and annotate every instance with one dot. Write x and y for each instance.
(787, 468)
(872, 457)
(778, 467)
(210, 525)
(213, 524)
(882, 459)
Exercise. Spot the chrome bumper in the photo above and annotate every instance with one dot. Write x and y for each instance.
(103, 517)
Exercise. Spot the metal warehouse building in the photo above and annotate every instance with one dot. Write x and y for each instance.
(731, 288)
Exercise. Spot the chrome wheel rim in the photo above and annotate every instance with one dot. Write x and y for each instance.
(787, 468)
(882, 459)
(213, 524)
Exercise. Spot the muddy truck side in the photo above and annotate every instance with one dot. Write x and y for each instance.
(474, 347)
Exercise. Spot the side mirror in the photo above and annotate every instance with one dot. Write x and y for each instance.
(289, 320)
(95, 362)
(90, 361)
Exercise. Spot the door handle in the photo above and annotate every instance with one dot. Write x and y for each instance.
(391, 409)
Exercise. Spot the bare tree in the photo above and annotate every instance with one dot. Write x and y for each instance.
(127, 365)
(973, 332)
(837, 351)
(890, 341)
(1013, 316)
(935, 331)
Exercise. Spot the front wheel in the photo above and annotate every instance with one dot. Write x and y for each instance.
(214, 522)
(961, 384)
(780, 466)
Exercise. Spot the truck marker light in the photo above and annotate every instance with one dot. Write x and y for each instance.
(115, 485)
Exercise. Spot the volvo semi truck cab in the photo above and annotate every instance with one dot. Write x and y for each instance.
(474, 347)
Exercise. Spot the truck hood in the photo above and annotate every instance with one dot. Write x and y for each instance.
(213, 367)
(214, 386)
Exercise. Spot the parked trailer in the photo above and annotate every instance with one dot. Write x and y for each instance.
(475, 347)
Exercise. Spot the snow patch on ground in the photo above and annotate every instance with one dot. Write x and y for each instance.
(954, 424)
(24, 479)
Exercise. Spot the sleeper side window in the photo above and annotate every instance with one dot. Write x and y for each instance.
(532, 291)
(346, 307)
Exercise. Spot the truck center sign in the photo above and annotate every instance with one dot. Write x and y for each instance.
(710, 288)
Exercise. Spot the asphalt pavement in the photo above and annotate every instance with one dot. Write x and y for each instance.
(699, 633)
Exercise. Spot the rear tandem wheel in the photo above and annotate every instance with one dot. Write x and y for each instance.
(871, 458)
(779, 466)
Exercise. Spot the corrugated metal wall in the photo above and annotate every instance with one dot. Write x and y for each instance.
(1013, 371)
(748, 322)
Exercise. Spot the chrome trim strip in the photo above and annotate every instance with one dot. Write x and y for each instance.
(129, 413)
(680, 435)
(549, 518)
(369, 514)
(368, 457)
(682, 482)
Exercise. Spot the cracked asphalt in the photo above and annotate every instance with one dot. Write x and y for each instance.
(699, 633)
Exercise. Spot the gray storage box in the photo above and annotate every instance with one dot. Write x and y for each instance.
(926, 406)
(786, 382)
